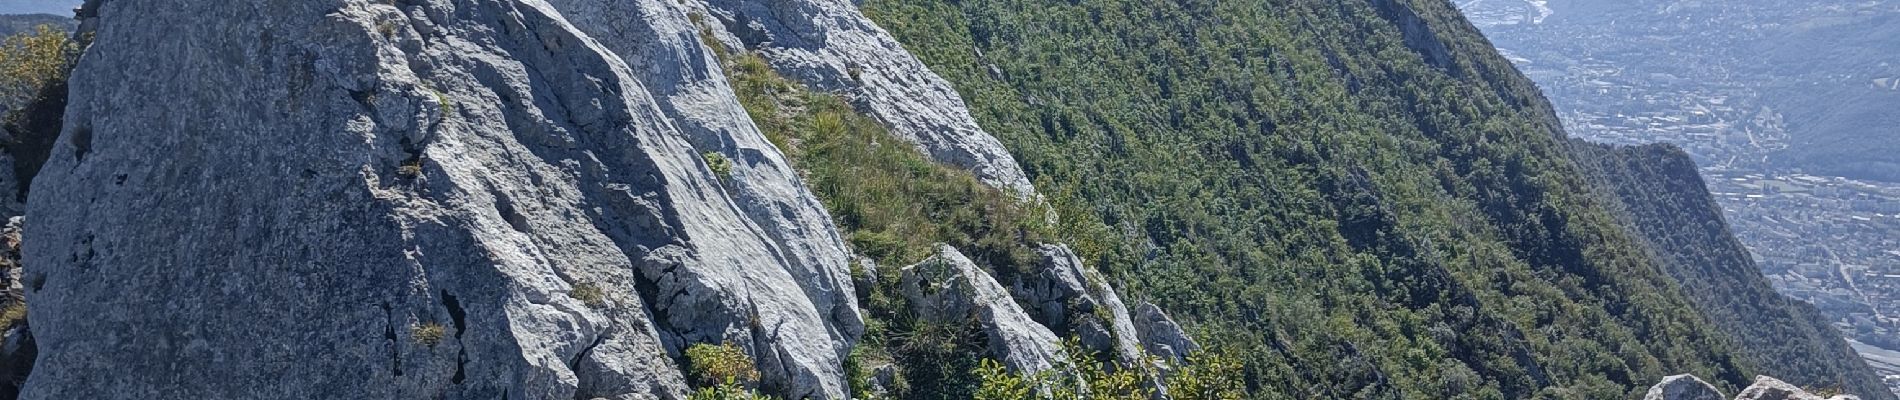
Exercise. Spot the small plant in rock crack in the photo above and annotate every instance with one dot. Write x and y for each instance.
(443, 103)
(720, 165)
(428, 333)
(410, 168)
(723, 372)
(386, 28)
(14, 315)
(589, 293)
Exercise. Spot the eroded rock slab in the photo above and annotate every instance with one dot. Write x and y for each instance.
(1161, 335)
(1069, 296)
(1768, 388)
(950, 289)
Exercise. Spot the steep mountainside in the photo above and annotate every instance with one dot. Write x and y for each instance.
(1338, 191)
(640, 199)
(1665, 201)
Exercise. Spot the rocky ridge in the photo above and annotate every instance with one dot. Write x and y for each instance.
(473, 199)
(1687, 387)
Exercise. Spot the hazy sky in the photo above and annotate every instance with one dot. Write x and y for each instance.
(60, 7)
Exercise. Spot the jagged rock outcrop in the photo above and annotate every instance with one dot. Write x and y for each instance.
(1767, 388)
(1068, 296)
(948, 288)
(1683, 387)
(661, 45)
(1687, 387)
(1163, 337)
(831, 46)
(441, 199)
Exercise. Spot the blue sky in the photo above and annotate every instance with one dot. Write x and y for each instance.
(60, 7)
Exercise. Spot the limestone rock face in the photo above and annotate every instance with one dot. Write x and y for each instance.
(1686, 387)
(1161, 335)
(1683, 387)
(661, 45)
(417, 199)
(831, 46)
(1767, 388)
(1070, 296)
(949, 288)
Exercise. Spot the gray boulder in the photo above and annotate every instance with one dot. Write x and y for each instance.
(1069, 296)
(418, 199)
(831, 46)
(1163, 337)
(950, 289)
(1768, 388)
(1683, 387)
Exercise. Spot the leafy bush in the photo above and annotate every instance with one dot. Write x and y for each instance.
(13, 315)
(720, 165)
(1205, 377)
(712, 364)
(34, 60)
(722, 372)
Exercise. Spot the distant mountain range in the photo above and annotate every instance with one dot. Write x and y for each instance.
(11, 24)
(60, 7)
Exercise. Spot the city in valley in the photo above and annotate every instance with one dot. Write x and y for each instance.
(1739, 87)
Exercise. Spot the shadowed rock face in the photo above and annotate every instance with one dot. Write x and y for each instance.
(310, 188)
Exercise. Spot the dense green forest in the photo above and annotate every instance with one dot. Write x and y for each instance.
(1359, 199)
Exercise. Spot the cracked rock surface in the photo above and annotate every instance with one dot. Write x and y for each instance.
(415, 199)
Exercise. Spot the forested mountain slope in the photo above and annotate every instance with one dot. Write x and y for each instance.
(1665, 201)
(1362, 198)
